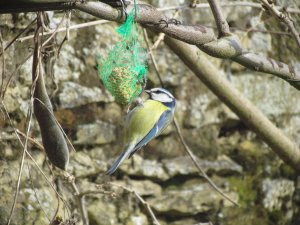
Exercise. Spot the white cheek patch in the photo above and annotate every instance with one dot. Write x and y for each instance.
(162, 97)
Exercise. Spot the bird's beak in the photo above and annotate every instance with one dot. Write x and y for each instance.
(148, 92)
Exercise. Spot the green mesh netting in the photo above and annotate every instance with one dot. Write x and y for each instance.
(125, 69)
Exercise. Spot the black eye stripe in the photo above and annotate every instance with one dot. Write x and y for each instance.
(161, 92)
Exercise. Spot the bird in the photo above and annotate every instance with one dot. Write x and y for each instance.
(145, 122)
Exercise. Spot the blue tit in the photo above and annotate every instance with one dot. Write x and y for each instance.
(145, 122)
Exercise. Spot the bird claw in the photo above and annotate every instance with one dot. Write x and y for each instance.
(169, 21)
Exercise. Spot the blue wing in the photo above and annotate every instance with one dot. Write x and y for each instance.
(164, 120)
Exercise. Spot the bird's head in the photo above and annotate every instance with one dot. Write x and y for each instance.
(161, 95)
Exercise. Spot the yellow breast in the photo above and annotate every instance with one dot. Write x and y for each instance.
(142, 119)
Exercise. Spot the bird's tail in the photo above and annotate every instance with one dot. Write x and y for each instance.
(119, 161)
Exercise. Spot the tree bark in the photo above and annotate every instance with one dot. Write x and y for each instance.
(227, 93)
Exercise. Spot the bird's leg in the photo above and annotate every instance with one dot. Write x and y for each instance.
(138, 101)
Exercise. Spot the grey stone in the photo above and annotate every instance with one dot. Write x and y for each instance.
(165, 148)
(269, 94)
(204, 142)
(96, 133)
(15, 99)
(192, 198)
(189, 221)
(73, 95)
(260, 42)
(142, 187)
(32, 203)
(137, 219)
(82, 165)
(68, 65)
(108, 210)
(277, 193)
(102, 213)
(291, 127)
(197, 106)
(185, 166)
(205, 109)
(144, 168)
(25, 72)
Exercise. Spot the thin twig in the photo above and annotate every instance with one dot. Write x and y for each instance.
(92, 192)
(17, 132)
(54, 31)
(32, 140)
(260, 31)
(18, 35)
(56, 211)
(51, 185)
(223, 4)
(186, 147)
(67, 35)
(68, 25)
(271, 7)
(35, 7)
(159, 39)
(152, 56)
(145, 203)
(2, 94)
(227, 48)
(220, 20)
(194, 159)
(74, 27)
(29, 118)
(13, 74)
(35, 193)
(3, 63)
(79, 198)
(252, 29)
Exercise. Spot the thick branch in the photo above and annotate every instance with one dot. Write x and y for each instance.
(224, 5)
(269, 65)
(249, 114)
(16, 6)
(226, 47)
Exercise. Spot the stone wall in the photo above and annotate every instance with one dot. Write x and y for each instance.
(233, 156)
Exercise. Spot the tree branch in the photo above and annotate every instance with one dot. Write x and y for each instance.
(202, 37)
(180, 136)
(249, 114)
(64, 29)
(144, 202)
(17, 6)
(18, 35)
(224, 5)
(221, 22)
(80, 202)
(271, 7)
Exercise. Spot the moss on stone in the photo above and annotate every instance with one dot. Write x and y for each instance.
(244, 188)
